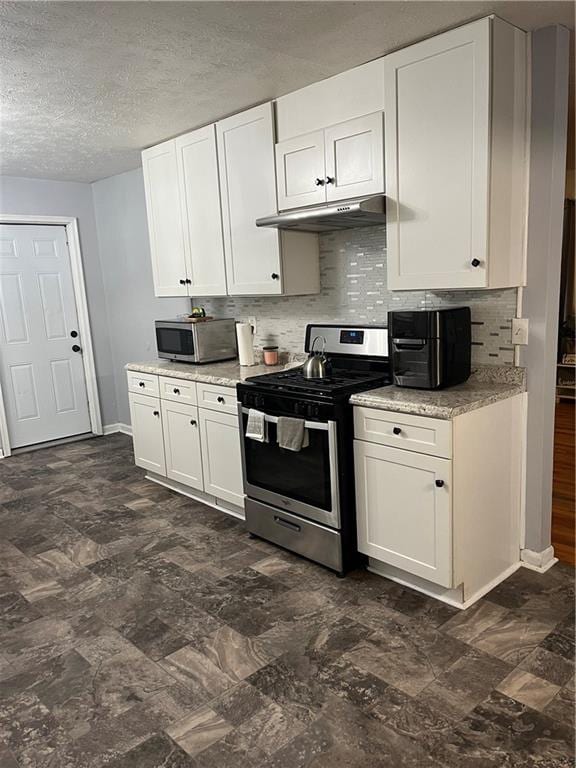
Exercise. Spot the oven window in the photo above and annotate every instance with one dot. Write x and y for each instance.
(174, 341)
(300, 475)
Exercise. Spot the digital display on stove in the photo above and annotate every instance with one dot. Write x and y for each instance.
(351, 337)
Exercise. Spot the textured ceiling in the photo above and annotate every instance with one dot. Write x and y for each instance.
(86, 85)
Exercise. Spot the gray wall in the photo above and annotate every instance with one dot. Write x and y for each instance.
(120, 212)
(60, 198)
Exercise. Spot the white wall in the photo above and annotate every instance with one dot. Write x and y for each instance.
(60, 198)
(120, 212)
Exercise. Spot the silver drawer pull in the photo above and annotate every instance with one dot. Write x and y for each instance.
(287, 524)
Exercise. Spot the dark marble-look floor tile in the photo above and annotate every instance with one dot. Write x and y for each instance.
(409, 656)
(563, 707)
(31, 644)
(550, 666)
(197, 672)
(155, 638)
(361, 688)
(7, 757)
(465, 684)
(500, 728)
(239, 703)
(29, 730)
(513, 637)
(15, 610)
(159, 751)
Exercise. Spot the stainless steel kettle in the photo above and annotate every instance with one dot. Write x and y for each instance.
(317, 366)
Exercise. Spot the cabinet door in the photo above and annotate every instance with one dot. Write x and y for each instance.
(403, 518)
(201, 213)
(248, 184)
(164, 220)
(146, 418)
(300, 171)
(182, 443)
(437, 125)
(355, 158)
(221, 456)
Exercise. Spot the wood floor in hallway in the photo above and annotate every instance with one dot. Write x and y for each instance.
(563, 487)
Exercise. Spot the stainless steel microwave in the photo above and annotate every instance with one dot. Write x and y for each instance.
(204, 342)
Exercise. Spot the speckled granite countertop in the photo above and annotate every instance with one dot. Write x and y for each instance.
(227, 374)
(487, 384)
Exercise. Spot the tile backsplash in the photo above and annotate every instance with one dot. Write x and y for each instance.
(353, 290)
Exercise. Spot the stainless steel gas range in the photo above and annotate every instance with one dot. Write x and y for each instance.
(303, 500)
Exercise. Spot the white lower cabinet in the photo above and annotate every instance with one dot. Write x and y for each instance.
(182, 444)
(221, 456)
(146, 417)
(405, 510)
(196, 447)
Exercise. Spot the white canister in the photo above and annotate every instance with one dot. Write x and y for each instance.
(245, 336)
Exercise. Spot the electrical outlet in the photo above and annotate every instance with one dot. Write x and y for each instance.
(519, 330)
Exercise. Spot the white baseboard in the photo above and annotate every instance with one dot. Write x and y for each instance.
(205, 498)
(110, 429)
(538, 561)
(453, 597)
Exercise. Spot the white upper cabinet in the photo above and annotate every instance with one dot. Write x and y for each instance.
(300, 171)
(339, 163)
(247, 177)
(455, 127)
(259, 261)
(354, 153)
(199, 193)
(164, 220)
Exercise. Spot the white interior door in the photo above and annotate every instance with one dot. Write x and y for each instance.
(300, 171)
(43, 380)
(355, 158)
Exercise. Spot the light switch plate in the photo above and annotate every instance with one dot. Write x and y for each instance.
(519, 330)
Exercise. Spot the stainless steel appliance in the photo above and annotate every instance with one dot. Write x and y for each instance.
(430, 349)
(304, 500)
(196, 342)
(346, 214)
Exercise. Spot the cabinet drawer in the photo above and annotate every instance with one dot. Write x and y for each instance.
(217, 398)
(179, 390)
(143, 383)
(402, 430)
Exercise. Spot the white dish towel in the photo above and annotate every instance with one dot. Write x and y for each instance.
(257, 427)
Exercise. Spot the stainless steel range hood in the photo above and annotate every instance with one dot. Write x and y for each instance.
(366, 212)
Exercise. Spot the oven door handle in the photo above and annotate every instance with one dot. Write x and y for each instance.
(320, 425)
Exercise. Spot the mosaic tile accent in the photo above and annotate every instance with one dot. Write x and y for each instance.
(353, 280)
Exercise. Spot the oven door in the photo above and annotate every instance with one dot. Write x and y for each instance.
(175, 341)
(302, 482)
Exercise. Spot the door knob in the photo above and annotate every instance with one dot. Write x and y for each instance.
(330, 179)
(74, 334)
(76, 348)
(475, 262)
(320, 182)
(439, 483)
